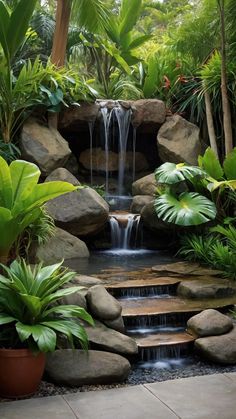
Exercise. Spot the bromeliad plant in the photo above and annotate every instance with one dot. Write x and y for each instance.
(22, 199)
(207, 190)
(29, 314)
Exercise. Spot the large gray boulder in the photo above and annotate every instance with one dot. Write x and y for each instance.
(151, 220)
(147, 185)
(75, 116)
(80, 212)
(209, 323)
(43, 146)
(73, 367)
(139, 202)
(102, 305)
(220, 349)
(179, 141)
(116, 324)
(62, 245)
(206, 288)
(151, 112)
(100, 163)
(101, 337)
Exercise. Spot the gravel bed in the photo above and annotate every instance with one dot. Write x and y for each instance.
(140, 375)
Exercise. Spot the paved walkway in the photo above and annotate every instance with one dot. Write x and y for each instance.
(207, 397)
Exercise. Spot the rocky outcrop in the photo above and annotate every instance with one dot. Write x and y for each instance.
(184, 269)
(117, 324)
(77, 298)
(101, 337)
(151, 221)
(206, 288)
(139, 202)
(179, 141)
(43, 146)
(102, 305)
(220, 349)
(209, 323)
(62, 245)
(80, 212)
(75, 367)
(147, 185)
(86, 281)
(71, 118)
(150, 112)
(100, 163)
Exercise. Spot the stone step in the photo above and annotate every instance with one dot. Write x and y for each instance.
(163, 339)
(138, 283)
(158, 306)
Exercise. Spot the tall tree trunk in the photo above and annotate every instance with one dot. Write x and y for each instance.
(58, 54)
(224, 92)
(210, 123)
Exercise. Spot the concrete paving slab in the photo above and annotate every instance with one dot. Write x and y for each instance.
(54, 407)
(231, 376)
(121, 403)
(205, 397)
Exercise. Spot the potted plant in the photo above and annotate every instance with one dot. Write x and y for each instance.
(30, 321)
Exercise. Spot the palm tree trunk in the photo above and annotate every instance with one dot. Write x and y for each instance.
(58, 54)
(210, 123)
(227, 122)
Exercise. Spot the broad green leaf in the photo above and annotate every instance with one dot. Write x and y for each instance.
(18, 24)
(70, 311)
(24, 177)
(129, 14)
(151, 79)
(230, 165)
(42, 193)
(210, 163)
(5, 185)
(188, 209)
(225, 184)
(24, 331)
(44, 337)
(171, 173)
(33, 304)
(4, 22)
(5, 319)
(139, 40)
(59, 294)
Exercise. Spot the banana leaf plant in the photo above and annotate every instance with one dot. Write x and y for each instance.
(30, 312)
(21, 200)
(208, 190)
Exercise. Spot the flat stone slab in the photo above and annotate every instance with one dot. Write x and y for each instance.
(164, 339)
(155, 306)
(206, 288)
(204, 397)
(54, 407)
(184, 268)
(207, 397)
(137, 283)
(134, 402)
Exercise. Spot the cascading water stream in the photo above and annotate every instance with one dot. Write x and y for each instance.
(91, 127)
(121, 232)
(123, 117)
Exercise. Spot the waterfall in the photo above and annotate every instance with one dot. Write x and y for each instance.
(123, 118)
(134, 150)
(122, 229)
(91, 126)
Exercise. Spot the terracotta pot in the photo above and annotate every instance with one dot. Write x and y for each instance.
(20, 372)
